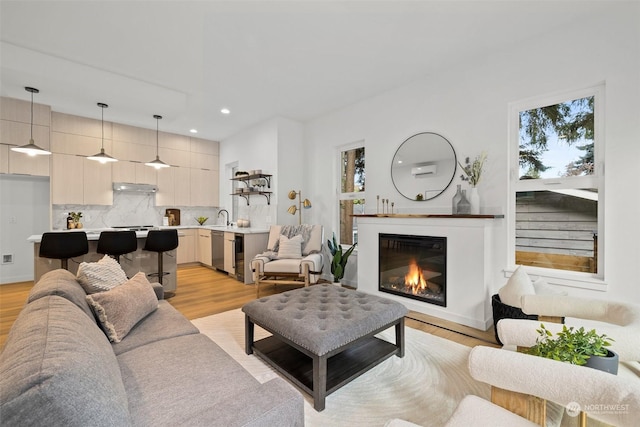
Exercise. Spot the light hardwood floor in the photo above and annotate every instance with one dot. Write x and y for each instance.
(202, 292)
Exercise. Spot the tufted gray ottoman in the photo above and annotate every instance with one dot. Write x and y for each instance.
(323, 335)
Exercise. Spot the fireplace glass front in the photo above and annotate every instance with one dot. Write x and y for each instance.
(413, 267)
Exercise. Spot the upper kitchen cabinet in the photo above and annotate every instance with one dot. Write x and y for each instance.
(78, 181)
(174, 188)
(204, 187)
(74, 178)
(15, 130)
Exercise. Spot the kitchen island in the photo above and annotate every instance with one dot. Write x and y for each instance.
(140, 260)
(254, 241)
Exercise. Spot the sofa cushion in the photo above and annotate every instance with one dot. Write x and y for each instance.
(290, 248)
(100, 276)
(64, 284)
(206, 374)
(57, 368)
(119, 309)
(165, 322)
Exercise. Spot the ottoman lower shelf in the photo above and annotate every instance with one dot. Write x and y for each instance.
(342, 367)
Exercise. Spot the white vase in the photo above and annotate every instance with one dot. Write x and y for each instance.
(474, 200)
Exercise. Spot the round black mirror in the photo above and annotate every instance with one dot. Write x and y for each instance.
(424, 166)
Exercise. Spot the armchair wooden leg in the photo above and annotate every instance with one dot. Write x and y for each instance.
(530, 407)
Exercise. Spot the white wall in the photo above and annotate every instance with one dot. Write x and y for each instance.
(24, 211)
(468, 105)
(277, 147)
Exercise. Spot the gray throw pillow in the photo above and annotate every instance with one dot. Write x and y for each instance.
(119, 309)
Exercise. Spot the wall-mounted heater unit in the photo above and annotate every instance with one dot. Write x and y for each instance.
(423, 170)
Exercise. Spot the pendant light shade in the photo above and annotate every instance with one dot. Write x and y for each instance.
(102, 157)
(31, 148)
(157, 163)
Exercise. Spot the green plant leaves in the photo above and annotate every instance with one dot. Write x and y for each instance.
(571, 345)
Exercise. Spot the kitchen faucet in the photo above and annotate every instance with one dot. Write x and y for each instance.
(227, 212)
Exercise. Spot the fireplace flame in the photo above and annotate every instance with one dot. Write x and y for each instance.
(414, 280)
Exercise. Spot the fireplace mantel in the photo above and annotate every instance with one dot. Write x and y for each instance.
(470, 271)
(426, 216)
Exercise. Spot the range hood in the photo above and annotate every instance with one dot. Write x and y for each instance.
(134, 188)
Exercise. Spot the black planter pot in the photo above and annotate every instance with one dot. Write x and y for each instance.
(608, 363)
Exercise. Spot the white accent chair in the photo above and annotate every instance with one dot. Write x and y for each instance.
(267, 267)
(521, 384)
(618, 320)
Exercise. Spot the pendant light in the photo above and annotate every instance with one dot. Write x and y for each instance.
(102, 157)
(31, 148)
(157, 163)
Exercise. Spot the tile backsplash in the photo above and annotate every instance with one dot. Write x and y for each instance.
(129, 209)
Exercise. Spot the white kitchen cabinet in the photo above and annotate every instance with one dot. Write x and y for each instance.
(67, 174)
(17, 133)
(123, 171)
(230, 253)
(187, 246)
(204, 247)
(204, 187)
(4, 158)
(145, 174)
(174, 187)
(254, 244)
(78, 181)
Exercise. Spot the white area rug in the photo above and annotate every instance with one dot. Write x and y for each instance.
(424, 387)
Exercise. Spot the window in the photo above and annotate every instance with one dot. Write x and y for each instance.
(351, 195)
(557, 221)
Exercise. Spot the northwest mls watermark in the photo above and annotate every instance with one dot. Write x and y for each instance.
(574, 408)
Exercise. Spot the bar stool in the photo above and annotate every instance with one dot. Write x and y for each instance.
(64, 245)
(161, 241)
(116, 243)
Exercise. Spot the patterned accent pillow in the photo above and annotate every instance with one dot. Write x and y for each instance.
(100, 276)
(119, 309)
(290, 248)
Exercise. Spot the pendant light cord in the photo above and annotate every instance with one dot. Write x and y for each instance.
(32, 116)
(102, 108)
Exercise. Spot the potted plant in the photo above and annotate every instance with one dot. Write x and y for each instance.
(339, 258)
(576, 346)
(75, 220)
(202, 219)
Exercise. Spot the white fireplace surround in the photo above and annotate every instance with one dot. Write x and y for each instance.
(468, 264)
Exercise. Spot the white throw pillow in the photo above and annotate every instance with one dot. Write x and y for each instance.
(543, 288)
(518, 284)
(290, 248)
(100, 276)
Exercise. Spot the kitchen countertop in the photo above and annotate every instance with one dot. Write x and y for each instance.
(94, 233)
(234, 229)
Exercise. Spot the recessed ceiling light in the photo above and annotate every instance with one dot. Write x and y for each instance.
(194, 131)
(225, 111)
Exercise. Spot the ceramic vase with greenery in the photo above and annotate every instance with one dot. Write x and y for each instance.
(571, 345)
(339, 258)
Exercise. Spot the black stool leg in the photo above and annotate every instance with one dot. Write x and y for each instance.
(160, 267)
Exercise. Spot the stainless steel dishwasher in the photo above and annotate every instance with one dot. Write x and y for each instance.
(217, 249)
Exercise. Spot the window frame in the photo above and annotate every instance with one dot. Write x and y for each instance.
(594, 281)
(340, 196)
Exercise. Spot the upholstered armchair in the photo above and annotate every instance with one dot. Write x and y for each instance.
(521, 384)
(293, 256)
(618, 320)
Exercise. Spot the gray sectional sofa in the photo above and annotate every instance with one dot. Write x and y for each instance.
(59, 369)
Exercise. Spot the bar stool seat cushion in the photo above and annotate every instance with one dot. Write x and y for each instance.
(100, 276)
